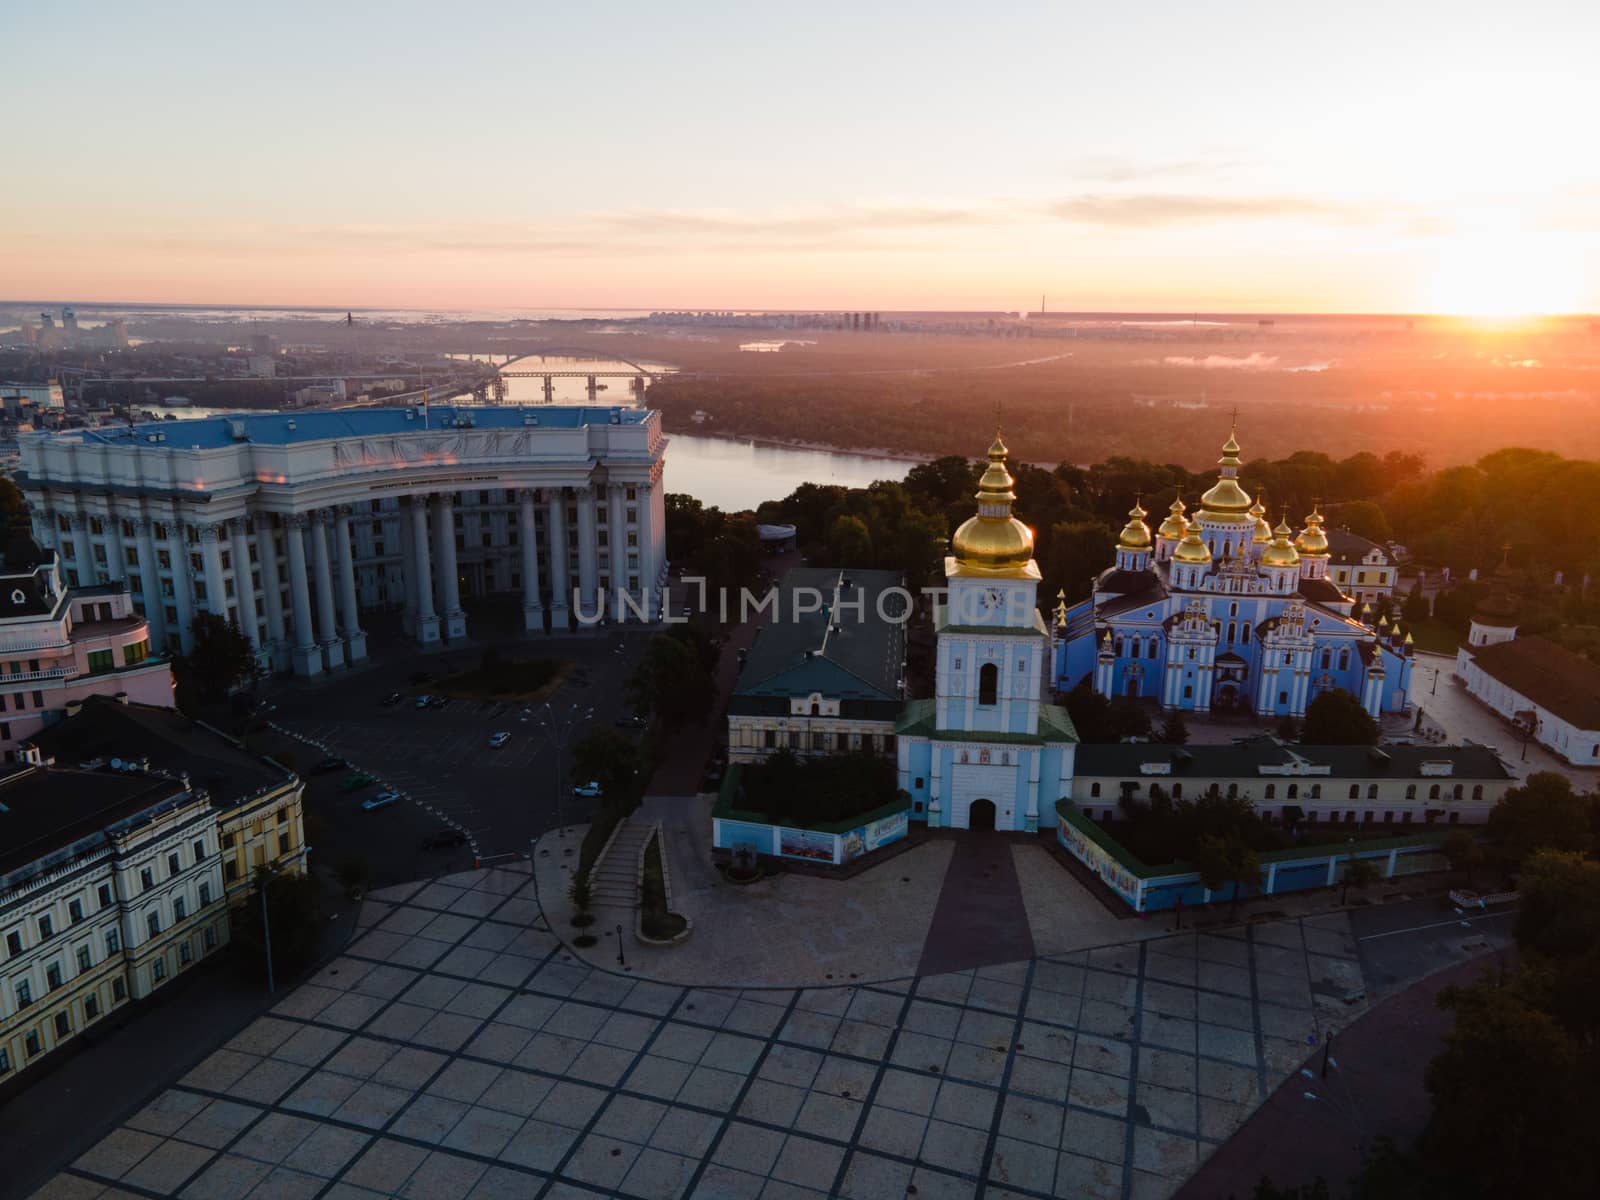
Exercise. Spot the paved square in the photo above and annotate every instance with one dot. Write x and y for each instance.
(458, 1050)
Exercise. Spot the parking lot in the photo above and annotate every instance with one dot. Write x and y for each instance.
(440, 757)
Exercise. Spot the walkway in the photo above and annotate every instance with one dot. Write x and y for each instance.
(980, 918)
(458, 1049)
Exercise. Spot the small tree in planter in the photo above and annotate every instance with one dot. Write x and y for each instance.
(581, 892)
(1360, 873)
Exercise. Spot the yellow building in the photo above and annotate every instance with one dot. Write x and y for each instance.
(110, 885)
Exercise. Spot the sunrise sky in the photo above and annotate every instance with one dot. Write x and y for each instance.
(1387, 156)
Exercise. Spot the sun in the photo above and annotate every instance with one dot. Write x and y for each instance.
(1501, 274)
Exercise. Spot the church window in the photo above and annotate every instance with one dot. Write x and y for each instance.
(1477, 792)
(1283, 697)
(1151, 649)
(1372, 791)
(918, 781)
(1094, 791)
(1355, 791)
(1005, 758)
(1458, 792)
(1233, 791)
(816, 709)
(958, 664)
(1316, 791)
(1188, 691)
(1244, 633)
(1433, 792)
(1233, 609)
(1344, 659)
(1191, 653)
(1411, 791)
(1177, 791)
(1022, 664)
(1327, 659)
(1272, 791)
(1232, 631)
(983, 756)
(988, 683)
(771, 739)
(965, 756)
(1119, 646)
(1294, 791)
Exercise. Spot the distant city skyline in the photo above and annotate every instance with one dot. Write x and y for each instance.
(1236, 157)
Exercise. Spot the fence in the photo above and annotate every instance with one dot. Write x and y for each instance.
(836, 843)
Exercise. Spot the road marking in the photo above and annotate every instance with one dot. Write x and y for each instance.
(1435, 925)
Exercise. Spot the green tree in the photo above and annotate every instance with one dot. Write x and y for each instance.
(1226, 860)
(1359, 873)
(1174, 729)
(1365, 519)
(1416, 606)
(672, 681)
(294, 913)
(612, 760)
(1544, 813)
(849, 542)
(1336, 718)
(1558, 914)
(220, 656)
(1465, 854)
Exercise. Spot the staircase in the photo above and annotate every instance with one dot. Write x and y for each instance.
(615, 878)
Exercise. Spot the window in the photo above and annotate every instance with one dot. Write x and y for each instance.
(104, 895)
(152, 922)
(1411, 791)
(158, 969)
(918, 782)
(1433, 792)
(230, 870)
(1272, 791)
(1355, 791)
(205, 893)
(5, 1060)
(184, 953)
(988, 683)
(113, 940)
(227, 841)
(1477, 791)
(75, 911)
(1177, 791)
(14, 942)
(147, 879)
(46, 926)
(101, 661)
(1372, 791)
(52, 976)
(1294, 791)
(91, 1007)
(210, 938)
(1188, 689)
(24, 993)
(179, 908)
(119, 991)
(283, 816)
(63, 1024)
(770, 738)
(1094, 791)
(199, 848)
(32, 1042)
(85, 958)
(172, 864)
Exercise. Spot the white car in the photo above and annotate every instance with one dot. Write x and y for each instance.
(424, 700)
(498, 739)
(381, 800)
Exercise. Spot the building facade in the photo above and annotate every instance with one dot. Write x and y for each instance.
(1224, 613)
(110, 885)
(1546, 691)
(293, 524)
(827, 674)
(1364, 786)
(1360, 567)
(986, 751)
(60, 645)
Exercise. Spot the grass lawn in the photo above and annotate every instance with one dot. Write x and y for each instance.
(656, 920)
(1433, 636)
(507, 679)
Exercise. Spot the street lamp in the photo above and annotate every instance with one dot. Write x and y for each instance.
(559, 727)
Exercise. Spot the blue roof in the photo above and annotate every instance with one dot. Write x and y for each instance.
(315, 425)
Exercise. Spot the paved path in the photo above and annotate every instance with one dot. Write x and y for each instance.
(980, 918)
(1320, 1126)
(457, 1049)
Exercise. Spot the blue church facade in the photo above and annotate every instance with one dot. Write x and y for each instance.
(1223, 613)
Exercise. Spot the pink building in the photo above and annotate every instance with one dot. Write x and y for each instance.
(59, 645)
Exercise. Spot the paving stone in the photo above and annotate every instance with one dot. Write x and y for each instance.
(805, 1161)
(1102, 1093)
(167, 1113)
(372, 1105)
(1086, 1178)
(684, 1131)
(228, 1177)
(429, 1119)
(1024, 1118)
(861, 1039)
(724, 1183)
(483, 1131)
(1167, 1107)
(893, 1131)
(828, 1116)
(708, 1088)
(1034, 1077)
(1167, 1068)
(1165, 1154)
(443, 1176)
(165, 1168)
(601, 1162)
(386, 1165)
(1096, 1136)
(873, 1177)
(540, 1145)
(658, 1175)
(1232, 1045)
(1024, 1164)
(218, 1123)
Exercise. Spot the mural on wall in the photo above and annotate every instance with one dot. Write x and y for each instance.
(869, 837)
(806, 843)
(1094, 856)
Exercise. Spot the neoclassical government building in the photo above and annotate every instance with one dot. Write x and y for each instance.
(295, 523)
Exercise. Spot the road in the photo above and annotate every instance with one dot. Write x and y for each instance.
(1401, 943)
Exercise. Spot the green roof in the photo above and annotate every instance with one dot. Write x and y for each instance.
(723, 810)
(920, 716)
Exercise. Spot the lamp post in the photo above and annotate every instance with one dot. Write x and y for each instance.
(559, 727)
(621, 962)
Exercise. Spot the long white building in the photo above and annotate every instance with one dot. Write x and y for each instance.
(296, 523)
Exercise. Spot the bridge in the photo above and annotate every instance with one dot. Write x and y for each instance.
(639, 377)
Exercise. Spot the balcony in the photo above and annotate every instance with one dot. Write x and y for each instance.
(68, 672)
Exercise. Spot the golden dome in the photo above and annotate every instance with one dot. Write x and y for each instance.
(1175, 526)
(1282, 552)
(1312, 540)
(1227, 501)
(994, 542)
(1192, 549)
(1263, 534)
(1135, 534)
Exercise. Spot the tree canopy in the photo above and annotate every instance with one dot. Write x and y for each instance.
(1336, 718)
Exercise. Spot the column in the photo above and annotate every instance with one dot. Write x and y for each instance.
(588, 557)
(182, 581)
(327, 626)
(652, 523)
(556, 537)
(244, 589)
(355, 640)
(617, 551)
(272, 592)
(408, 568)
(155, 612)
(455, 621)
(211, 555)
(82, 551)
(422, 585)
(307, 657)
(532, 608)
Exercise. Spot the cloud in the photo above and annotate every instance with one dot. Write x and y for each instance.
(1112, 168)
(1147, 209)
(1213, 362)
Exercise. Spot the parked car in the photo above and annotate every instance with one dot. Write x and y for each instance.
(445, 839)
(392, 699)
(438, 701)
(424, 700)
(356, 782)
(630, 722)
(496, 740)
(381, 800)
(592, 788)
(329, 764)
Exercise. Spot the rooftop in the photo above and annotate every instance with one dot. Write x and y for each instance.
(44, 811)
(1552, 676)
(1249, 758)
(850, 654)
(105, 729)
(316, 425)
(1347, 547)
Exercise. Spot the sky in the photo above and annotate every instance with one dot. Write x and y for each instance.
(1161, 156)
